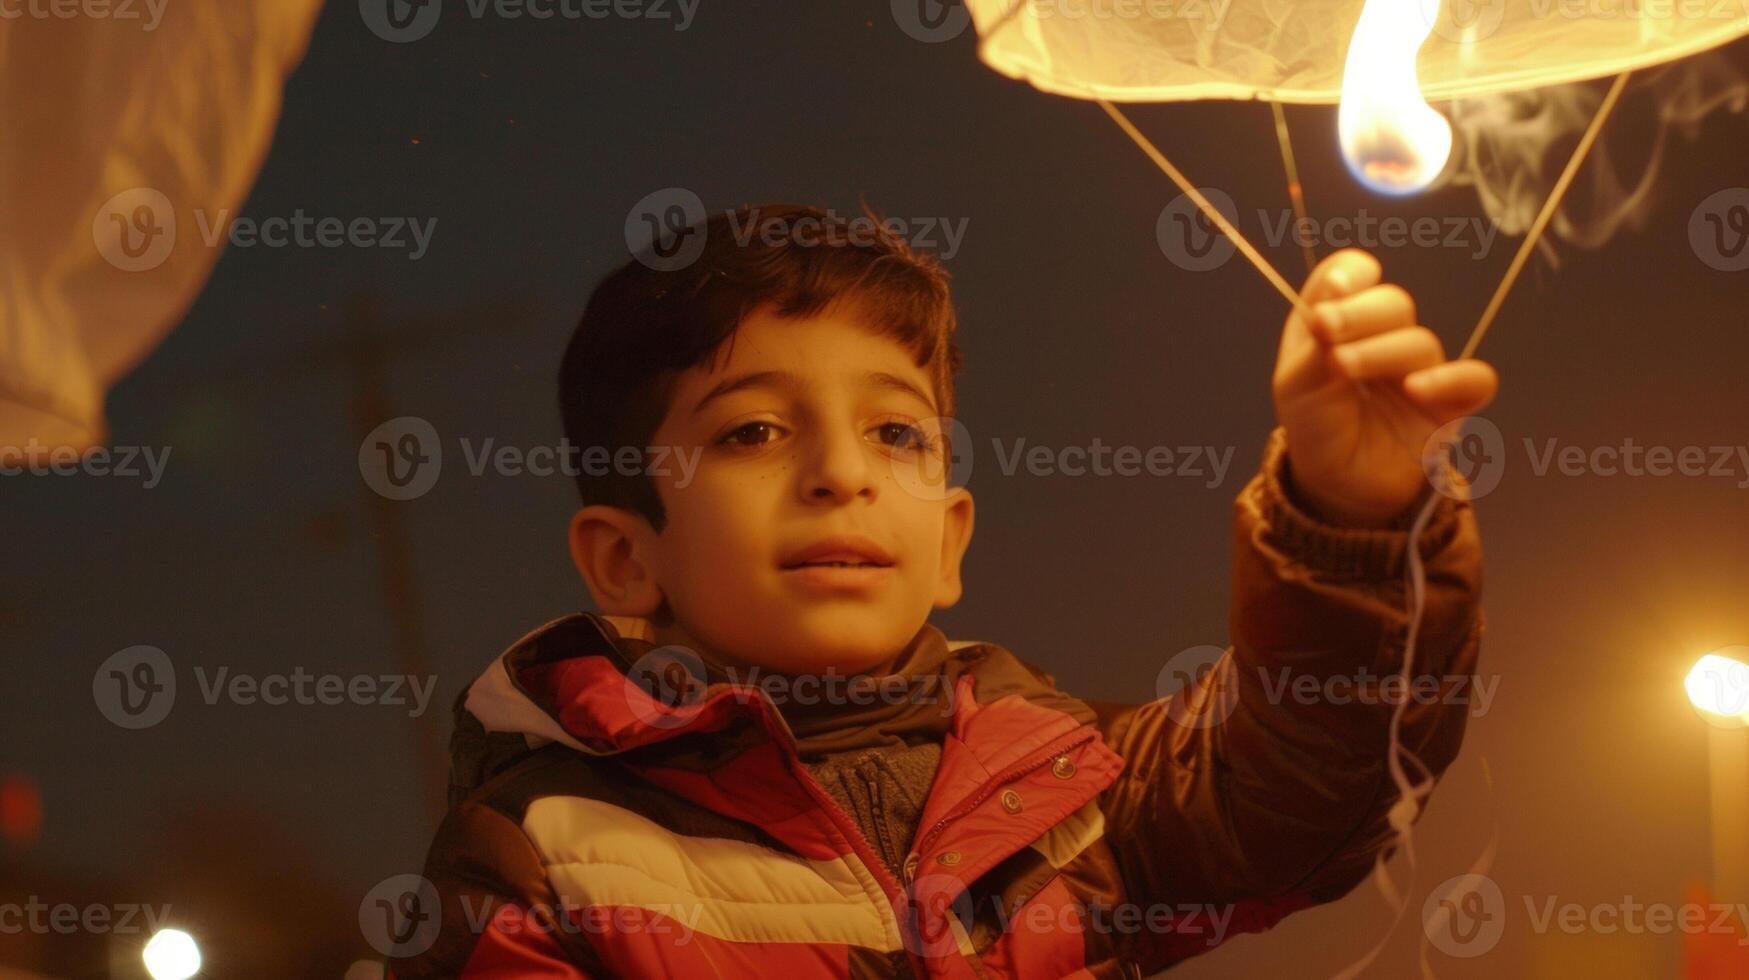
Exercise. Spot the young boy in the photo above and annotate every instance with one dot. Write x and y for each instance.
(761, 760)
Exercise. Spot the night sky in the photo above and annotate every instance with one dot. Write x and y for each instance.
(529, 141)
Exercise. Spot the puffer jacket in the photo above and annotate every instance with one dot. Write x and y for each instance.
(615, 816)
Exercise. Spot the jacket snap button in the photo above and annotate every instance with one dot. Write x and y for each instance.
(948, 857)
(1063, 767)
(1011, 801)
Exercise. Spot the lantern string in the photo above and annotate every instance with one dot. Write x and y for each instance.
(1294, 190)
(1209, 210)
(1547, 212)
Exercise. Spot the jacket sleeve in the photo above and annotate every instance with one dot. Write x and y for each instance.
(1277, 797)
(495, 908)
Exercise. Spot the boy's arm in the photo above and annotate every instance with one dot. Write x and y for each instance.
(494, 908)
(1284, 803)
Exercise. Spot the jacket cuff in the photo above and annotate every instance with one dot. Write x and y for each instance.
(1348, 553)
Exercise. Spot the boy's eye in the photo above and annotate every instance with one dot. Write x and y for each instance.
(906, 436)
(749, 434)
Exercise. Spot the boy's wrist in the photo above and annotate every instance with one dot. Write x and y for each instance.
(1343, 551)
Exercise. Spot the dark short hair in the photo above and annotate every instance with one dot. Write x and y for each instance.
(644, 324)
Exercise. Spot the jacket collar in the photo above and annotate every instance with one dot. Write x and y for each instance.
(578, 681)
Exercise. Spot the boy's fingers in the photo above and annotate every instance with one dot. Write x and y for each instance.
(1341, 274)
(1452, 390)
(1368, 312)
(1391, 354)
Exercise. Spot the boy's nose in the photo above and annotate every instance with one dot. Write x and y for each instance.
(839, 468)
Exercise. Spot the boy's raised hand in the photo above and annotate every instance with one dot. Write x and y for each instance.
(1356, 456)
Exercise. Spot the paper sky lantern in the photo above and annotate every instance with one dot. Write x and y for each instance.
(1381, 60)
(1294, 50)
(117, 123)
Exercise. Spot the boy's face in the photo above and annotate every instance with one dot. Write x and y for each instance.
(810, 430)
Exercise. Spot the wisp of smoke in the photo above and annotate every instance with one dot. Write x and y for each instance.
(1512, 146)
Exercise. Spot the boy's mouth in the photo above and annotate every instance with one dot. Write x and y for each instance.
(840, 552)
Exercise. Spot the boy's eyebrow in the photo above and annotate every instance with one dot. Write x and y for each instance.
(784, 379)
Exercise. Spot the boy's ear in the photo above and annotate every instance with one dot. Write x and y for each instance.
(956, 536)
(613, 551)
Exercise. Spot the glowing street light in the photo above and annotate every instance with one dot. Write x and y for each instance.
(1718, 686)
(171, 954)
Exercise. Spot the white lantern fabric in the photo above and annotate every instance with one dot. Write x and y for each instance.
(117, 119)
(1294, 50)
